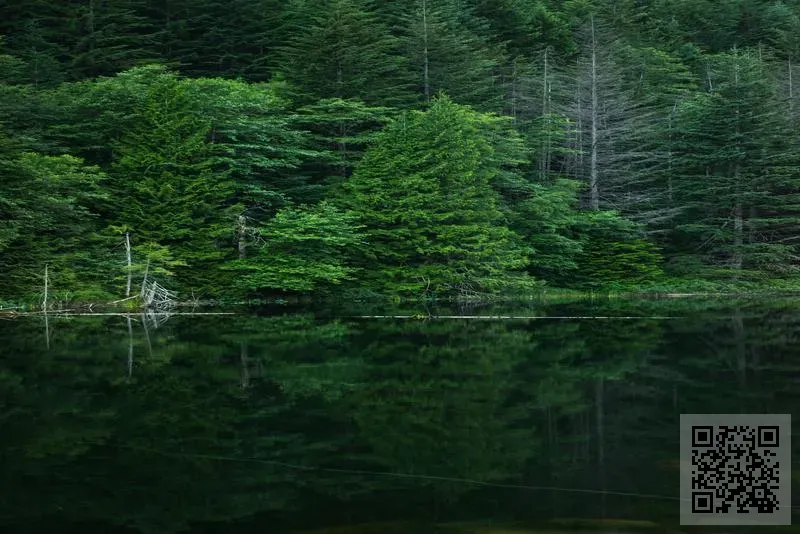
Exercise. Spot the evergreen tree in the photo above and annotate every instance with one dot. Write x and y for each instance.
(733, 177)
(446, 51)
(253, 140)
(299, 250)
(47, 218)
(341, 130)
(340, 49)
(164, 186)
(432, 220)
(112, 36)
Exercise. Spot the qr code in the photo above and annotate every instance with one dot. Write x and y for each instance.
(737, 467)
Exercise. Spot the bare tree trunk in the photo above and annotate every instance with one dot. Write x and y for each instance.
(144, 279)
(670, 196)
(426, 65)
(738, 222)
(46, 288)
(130, 270)
(579, 131)
(242, 242)
(594, 191)
(791, 93)
(514, 91)
(544, 164)
(738, 233)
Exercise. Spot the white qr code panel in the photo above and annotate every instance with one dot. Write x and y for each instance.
(735, 469)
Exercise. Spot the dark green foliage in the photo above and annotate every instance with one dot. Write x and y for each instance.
(545, 217)
(340, 48)
(341, 130)
(165, 189)
(445, 48)
(613, 250)
(732, 176)
(111, 36)
(47, 215)
(252, 138)
(195, 122)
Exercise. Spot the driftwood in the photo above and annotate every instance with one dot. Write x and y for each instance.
(502, 317)
(154, 295)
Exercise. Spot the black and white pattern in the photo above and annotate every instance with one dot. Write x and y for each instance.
(735, 469)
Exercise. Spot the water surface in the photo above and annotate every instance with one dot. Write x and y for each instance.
(323, 421)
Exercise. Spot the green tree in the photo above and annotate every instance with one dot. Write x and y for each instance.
(442, 42)
(734, 178)
(299, 250)
(340, 49)
(48, 209)
(340, 130)
(433, 222)
(165, 189)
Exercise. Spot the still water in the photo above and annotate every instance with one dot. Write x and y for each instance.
(321, 421)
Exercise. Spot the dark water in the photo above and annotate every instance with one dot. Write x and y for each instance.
(304, 421)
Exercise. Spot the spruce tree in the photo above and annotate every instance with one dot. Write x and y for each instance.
(340, 130)
(447, 50)
(432, 220)
(340, 49)
(165, 188)
(48, 207)
(733, 177)
(111, 36)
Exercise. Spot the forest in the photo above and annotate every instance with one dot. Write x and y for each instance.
(241, 149)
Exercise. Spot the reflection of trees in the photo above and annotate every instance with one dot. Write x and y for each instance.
(576, 404)
(438, 399)
(88, 442)
(583, 364)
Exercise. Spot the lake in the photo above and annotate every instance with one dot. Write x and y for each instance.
(320, 420)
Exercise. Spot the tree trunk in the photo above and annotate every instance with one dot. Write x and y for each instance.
(738, 222)
(738, 231)
(46, 288)
(594, 191)
(544, 164)
(130, 271)
(426, 66)
(242, 242)
(579, 131)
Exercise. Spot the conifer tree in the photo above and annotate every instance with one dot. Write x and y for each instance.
(340, 49)
(165, 188)
(48, 207)
(340, 130)
(432, 220)
(446, 48)
(733, 177)
(111, 36)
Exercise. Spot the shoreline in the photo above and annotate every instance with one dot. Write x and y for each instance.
(554, 296)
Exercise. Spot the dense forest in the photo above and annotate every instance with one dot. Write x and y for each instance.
(415, 148)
